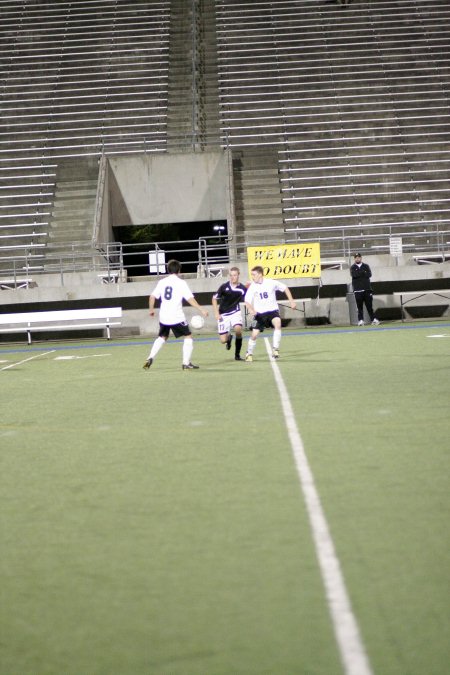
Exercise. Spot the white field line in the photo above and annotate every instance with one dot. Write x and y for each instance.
(19, 363)
(348, 637)
(73, 357)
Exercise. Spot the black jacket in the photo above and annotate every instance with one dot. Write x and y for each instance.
(361, 277)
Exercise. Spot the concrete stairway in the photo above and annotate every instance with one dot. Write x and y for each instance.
(193, 105)
(257, 197)
(72, 215)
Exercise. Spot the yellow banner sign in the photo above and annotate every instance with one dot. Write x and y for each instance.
(286, 261)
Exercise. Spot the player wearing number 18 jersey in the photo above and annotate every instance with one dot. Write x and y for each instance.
(261, 300)
(171, 291)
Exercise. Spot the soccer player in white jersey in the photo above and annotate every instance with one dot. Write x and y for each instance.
(172, 291)
(261, 300)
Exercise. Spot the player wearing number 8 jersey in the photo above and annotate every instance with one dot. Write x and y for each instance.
(261, 300)
(171, 291)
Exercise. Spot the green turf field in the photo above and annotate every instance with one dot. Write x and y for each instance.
(154, 523)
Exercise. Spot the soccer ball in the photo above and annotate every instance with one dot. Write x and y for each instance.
(197, 321)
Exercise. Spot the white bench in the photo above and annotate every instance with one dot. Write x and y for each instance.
(332, 264)
(432, 259)
(215, 271)
(61, 319)
(303, 301)
(11, 284)
(112, 277)
(211, 271)
(285, 304)
(416, 295)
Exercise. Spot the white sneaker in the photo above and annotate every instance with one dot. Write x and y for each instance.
(361, 323)
(375, 322)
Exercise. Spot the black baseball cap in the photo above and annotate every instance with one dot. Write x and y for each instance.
(357, 255)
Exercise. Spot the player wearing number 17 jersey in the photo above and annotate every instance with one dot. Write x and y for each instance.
(226, 307)
(261, 301)
(171, 291)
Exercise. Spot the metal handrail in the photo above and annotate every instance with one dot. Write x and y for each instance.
(202, 254)
(199, 254)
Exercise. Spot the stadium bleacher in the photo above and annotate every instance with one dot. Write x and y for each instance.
(355, 101)
(79, 79)
(336, 116)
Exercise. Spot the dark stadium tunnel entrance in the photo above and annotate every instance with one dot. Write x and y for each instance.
(176, 240)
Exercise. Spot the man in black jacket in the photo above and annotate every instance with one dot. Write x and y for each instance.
(361, 273)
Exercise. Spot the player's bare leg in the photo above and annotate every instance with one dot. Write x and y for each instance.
(251, 345)
(276, 323)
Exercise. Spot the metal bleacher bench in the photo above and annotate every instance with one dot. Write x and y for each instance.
(61, 319)
(416, 295)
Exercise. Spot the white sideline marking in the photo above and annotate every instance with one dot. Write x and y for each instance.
(71, 358)
(351, 647)
(438, 336)
(19, 363)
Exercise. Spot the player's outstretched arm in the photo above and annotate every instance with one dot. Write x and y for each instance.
(292, 302)
(151, 305)
(250, 308)
(193, 302)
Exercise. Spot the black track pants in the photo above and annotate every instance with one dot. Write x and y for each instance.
(364, 298)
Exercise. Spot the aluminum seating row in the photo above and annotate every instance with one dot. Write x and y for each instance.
(355, 101)
(79, 79)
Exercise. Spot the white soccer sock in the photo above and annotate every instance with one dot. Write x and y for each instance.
(158, 343)
(250, 346)
(188, 347)
(276, 338)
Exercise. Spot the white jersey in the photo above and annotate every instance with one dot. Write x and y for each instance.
(263, 296)
(172, 291)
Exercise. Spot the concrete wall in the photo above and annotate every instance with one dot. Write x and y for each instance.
(103, 231)
(86, 288)
(168, 188)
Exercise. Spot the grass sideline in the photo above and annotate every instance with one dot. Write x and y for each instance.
(152, 522)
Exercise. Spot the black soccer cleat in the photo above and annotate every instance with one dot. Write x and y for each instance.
(189, 366)
(147, 364)
(238, 358)
(229, 341)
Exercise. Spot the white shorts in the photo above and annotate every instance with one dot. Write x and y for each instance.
(228, 322)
